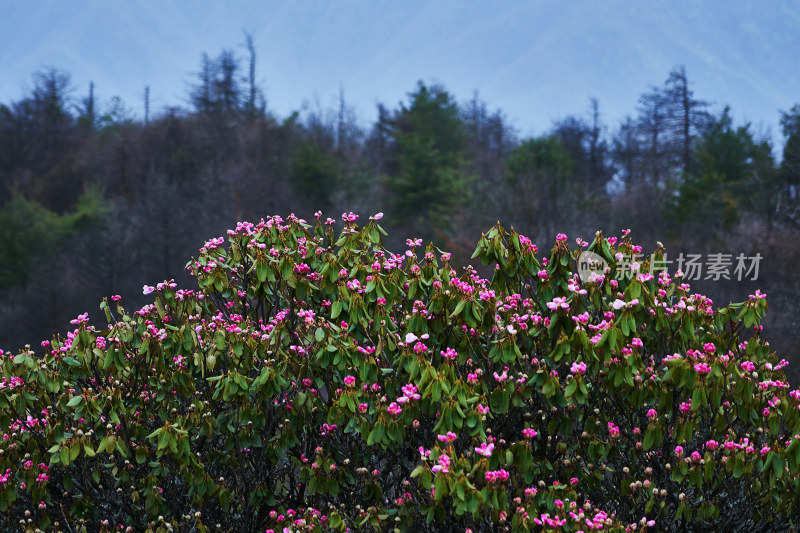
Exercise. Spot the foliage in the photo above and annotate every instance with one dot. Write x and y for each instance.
(315, 174)
(320, 383)
(735, 174)
(30, 233)
(427, 181)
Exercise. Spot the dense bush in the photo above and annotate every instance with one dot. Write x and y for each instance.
(318, 383)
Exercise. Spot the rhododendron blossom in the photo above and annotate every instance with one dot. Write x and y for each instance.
(317, 381)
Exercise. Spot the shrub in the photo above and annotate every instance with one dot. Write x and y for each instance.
(318, 383)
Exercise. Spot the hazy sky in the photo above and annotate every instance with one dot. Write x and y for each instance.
(537, 61)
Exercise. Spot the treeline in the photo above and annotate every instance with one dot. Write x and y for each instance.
(95, 202)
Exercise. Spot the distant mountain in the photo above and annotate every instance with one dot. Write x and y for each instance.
(537, 61)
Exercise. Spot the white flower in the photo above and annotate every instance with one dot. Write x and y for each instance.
(618, 304)
(147, 289)
(410, 337)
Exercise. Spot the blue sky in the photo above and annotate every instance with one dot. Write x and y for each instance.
(537, 61)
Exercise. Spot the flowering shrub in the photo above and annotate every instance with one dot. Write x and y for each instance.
(314, 382)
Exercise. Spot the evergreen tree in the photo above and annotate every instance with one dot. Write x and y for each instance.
(426, 180)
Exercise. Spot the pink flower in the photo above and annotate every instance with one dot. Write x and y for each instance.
(501, 377)
(349, 380)
(494, 476)
(613, 429)
(702, 368)
(378, 216)
(444, 464)
(394, 409)
(449, 353)
(558, 302)
(652, 414)
(148, 289)
(529, 432)
(578, 368)
(410, 391)
(485, 449)
(450, 437)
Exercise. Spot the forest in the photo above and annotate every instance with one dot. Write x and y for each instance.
(95, 201)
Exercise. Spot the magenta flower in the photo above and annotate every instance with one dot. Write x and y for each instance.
(559, 302)
(444, 464)
(652, 414)
(613, 429)
(494, 476)
(529, 432)
(485, 449)
(449, 353)
(394, 409)
(450, 437)
(410, 391)
(349, 380)
(578, 368)
(702, 368)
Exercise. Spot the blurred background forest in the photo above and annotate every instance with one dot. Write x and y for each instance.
(96, 201)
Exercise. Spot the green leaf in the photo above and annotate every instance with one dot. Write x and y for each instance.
(458, 309)
(74, 401)
(261, 272)
(778, 465)
(648, 439)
